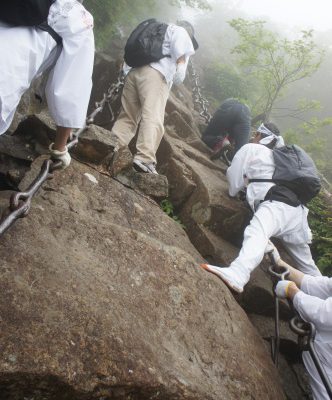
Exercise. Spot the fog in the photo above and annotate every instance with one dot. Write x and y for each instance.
(298, 14)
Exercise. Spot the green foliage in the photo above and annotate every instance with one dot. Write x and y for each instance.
(272, 61)
(308, 135)
(320, 220)
(203, 4)
(167, 206)
(223, 81)
(113, 18)
(117, 18)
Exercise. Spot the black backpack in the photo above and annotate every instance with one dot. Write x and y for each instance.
(144, 44)
(28, 13)
(295, 170)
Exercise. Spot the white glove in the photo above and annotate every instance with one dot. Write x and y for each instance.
(180, 73)
(281, 289)
(62, 156)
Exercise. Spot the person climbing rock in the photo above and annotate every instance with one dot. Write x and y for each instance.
(146, 91)
(29, 51)
(233, 120)
(312, 298)
(277, 211)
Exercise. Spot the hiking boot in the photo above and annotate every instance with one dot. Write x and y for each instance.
(229, 275)
(222, 146)
(141, 166)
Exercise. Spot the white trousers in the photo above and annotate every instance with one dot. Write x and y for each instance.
(279, 220)
(27, 52)
(324, 352)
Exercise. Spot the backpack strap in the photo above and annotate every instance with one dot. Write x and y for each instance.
(45, 27)
(260, 180)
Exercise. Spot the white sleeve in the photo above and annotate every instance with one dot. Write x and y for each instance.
(181, 44)
(319, 286)
(315, 310)
(236, 172)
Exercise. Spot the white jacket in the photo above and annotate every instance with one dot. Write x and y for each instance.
(252, 161)
(314, 304)
(26, 52)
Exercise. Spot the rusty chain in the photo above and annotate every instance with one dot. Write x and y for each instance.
(200, 102)
(20, 202)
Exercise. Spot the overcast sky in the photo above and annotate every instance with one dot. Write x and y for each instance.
(316, 14)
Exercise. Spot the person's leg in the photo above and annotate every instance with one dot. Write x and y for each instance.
(126, 124)
(240, 131)
(153, 92)
(266, 222)
(69, 85)
(324, 353)
(62, 135)
(296, 238)
(301, 254)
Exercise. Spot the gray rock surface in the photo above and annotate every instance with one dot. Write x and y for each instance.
(102, 297)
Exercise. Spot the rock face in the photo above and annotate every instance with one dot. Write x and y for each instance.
(101, 293)
(102, 298)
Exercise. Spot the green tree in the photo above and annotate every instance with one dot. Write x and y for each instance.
(273, 62)
(117, 18)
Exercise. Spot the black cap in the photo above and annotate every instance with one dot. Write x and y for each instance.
(190, 29)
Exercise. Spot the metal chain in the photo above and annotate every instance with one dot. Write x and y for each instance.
(200, 102)
(20, 202)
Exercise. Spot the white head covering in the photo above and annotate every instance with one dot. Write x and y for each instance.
(268, 136)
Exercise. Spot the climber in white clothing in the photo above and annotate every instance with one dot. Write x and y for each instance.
(277, 211)
(27, 52)
(312, 298)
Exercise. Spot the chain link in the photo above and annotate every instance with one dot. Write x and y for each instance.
(200, 102)
(20, 202)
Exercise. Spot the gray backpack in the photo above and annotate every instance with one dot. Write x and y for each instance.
(295, 170)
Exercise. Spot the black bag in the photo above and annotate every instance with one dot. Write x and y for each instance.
(295, 170)
(28, 13)
(24, 12)
(144, 44)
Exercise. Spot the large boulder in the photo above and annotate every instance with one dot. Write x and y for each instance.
(102, 298)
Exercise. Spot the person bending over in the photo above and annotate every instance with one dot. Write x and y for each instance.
(277, 211)
(232, 119)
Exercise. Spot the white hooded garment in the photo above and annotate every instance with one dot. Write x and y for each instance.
(314, 304)
(271, 218)
(26, 52)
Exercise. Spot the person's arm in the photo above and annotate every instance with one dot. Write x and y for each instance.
(315, 310)
(310, 307)
(236, 172)
(181, 49)
(319, 286)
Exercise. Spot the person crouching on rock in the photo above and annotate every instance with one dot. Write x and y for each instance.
(274, 216)
(232, 119)
(29, 51)
(312, 298)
